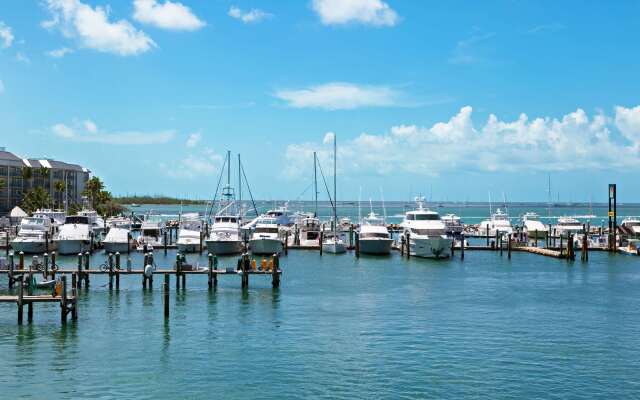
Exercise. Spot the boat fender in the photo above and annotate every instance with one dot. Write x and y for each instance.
(253, 264)
(148, 270)
(263, 264)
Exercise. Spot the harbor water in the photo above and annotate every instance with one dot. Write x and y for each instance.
(341, 327)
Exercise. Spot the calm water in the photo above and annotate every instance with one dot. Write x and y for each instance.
(339, 327)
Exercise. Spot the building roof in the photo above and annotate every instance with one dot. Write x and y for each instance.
(38, 163)
(7, 156)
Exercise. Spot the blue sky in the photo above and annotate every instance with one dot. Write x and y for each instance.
(451, 98)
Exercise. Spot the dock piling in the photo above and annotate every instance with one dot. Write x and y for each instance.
(275, 272)
(165, 290)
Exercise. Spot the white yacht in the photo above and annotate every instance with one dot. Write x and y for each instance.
(532, 226)
(308, 231)
(151, 233)
(632, 224)
(96, 223)
(568, 225)
(453, 224)
(118, 238)
(75, 235)
(55, 216)
(498, 223)
(35, 236)
(373, 236)
(224, 237)
(333, 243)
(427, 237)
(282, 215)
(266, 237)
(189, 230)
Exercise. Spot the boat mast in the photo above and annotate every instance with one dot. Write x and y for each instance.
(335, 199)
(315, 183)
(239, 188)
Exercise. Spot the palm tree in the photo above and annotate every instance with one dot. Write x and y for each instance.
(60, 187)
(45, 173)
(27, 174)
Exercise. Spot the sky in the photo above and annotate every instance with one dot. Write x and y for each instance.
(454, 100)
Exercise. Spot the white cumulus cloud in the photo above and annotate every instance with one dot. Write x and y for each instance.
(574, 141)
(93, 29)
(367, 12)
(6, 36)
(59, 53)
(166, 15)
(196, 165)
(340, 96)
(193, 139)
(88, 132)
(251, 16)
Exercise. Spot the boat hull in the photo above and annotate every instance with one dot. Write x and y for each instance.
(115, 247)
(222, 247)
(265, 246)
(73, 246)
(375, 246)
(436, 247)
(334, 247)
(188, 246)
(30, 247)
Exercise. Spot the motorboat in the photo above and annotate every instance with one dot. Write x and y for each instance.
(533, 227)
(118, 238)
(151, 233)
(453, 224)
(75, 235)
(632, 247)
(373, 236)
(96, 223)
(426, 232)
(333, 244)
(35, 235)
(308, 229)
(266, 237)
(189, 233)
(631, 224)
(568, 225)
(499, 223)
(281, 214)
(224, 237)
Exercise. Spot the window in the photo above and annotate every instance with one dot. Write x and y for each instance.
(427, 217)
(266, 230)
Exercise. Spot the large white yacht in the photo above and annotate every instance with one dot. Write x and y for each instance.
(373, 235)
(281, 214)
(498, 223)
(118, 238)
(75, 235)
(532, 226)
(96, 223)
(266, 237)
(568, 225)
(224, 237)
(35, 236)
(427, 237)
(632, 224)
(151, 233)
(308, 229)
(189, 230)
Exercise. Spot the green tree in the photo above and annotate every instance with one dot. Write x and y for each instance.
(59, 187)
(27, 174)
(34, 199)
(100, 199)
(92, 190)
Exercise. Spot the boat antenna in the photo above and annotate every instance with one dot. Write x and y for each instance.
(360, 205)
(384, 208)
(370, 205)
(490, 206)
(215, 196)
(504, 200)
(239, 188)
(315, 182)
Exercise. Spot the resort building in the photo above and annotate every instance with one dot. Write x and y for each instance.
(63, 181)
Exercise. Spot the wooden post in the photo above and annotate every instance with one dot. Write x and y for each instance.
(110, 271)
(150, 277)
(201, 247)
(63, 300)
(488, 235)
(46, 242)
(351, 244)
(144, 267)
(402, 240)
(11, 268)
(357, 243)
(453, 245)
(210, 274)
(21, 264)
(79, 282)
(30, 312)
(408, 245)
(499, 241)
(45, 257)
(128, 243)
(509, 247)
(164, 241)
(215, 266)
(178, 269)
(462, 246)
(165, 289)
(286, 243)
(560, 245)
(86, 267)
(6, 247)
(275, 272)
(20, 296)
(321, 239)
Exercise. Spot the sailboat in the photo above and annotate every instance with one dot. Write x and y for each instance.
(333, 243)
